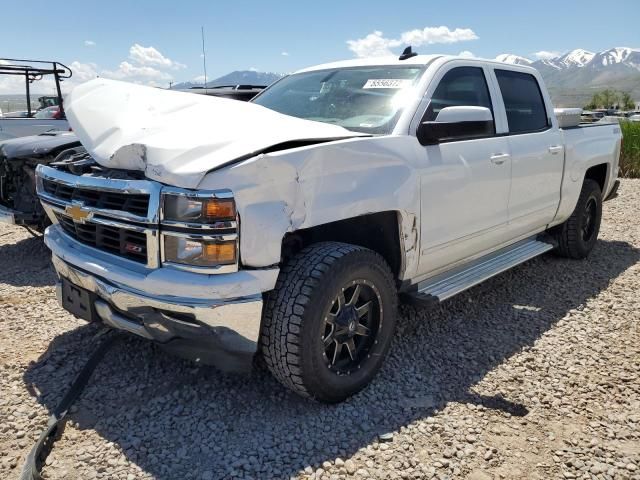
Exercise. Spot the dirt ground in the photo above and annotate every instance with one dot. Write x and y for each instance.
(533, 374)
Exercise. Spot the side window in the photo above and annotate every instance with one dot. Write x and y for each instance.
(460, 86)
(523, 101)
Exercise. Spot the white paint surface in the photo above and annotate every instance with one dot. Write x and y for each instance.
(177, 137)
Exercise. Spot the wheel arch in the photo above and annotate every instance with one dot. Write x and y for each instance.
(599, 174)
(380, 232)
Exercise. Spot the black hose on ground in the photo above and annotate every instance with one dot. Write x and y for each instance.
(55, 426)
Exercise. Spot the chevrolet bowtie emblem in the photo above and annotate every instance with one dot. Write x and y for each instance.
(78, 213)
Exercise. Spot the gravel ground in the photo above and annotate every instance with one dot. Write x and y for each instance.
(533, 374)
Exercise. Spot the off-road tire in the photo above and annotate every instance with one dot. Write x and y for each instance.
(569, 235)
(294, 314)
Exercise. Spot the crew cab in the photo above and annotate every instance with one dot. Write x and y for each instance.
(289, 226)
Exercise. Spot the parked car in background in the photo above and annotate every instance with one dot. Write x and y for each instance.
(289, 225)
(19, 158)
(635, 117)
(237, 92)
(591, 117)
(53, 113)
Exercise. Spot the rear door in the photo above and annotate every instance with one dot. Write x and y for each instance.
(464, 185)
(537, 152)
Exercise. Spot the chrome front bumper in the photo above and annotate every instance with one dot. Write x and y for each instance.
(223, 333)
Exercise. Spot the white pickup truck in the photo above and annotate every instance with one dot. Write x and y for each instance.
(288, 226)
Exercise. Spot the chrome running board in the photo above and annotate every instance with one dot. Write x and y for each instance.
(448, 284)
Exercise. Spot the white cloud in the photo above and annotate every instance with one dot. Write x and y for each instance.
(466, 54)
(253, 69)
(431, 35)
(136, 73)
(83, 72)
(89, 43)
(375, 44)
(150, 56)
(146, 66)
(285, 54)
(546, 55)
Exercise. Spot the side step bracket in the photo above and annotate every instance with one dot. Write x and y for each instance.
(448, 284)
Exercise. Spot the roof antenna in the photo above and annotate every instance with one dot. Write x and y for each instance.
(204, 60)
(407, 53)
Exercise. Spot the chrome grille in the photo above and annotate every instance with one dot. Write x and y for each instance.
(137, 204)
(119, 241)
(120, 217)
(123, 217)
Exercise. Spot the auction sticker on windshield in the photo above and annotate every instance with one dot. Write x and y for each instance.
(388, 83)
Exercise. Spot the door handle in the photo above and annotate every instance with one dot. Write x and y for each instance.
(553, 149)
(499, 158)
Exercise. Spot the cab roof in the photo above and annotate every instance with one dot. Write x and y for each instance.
(418, 60)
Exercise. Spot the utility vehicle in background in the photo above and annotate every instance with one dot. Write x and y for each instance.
(33, 71)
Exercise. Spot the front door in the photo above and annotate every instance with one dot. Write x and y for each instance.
(465, 182)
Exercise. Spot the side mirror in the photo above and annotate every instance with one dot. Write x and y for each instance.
(460, 123)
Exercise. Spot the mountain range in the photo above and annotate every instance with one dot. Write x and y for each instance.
(573, 77)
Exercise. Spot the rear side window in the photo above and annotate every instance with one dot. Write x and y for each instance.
(523, 101)
(460, 86)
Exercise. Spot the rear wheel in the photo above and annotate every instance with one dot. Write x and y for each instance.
(329, 322)
(578, 235)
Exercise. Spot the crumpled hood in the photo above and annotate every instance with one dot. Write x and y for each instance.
(176, 137)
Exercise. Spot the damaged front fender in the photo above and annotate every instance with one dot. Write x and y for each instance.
(282, 192)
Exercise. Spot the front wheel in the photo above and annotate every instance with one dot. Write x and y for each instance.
(578, 235)
(328, 323)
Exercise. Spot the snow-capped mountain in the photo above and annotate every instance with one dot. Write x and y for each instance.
(573, 77)
(575, 58)
(579, 58)
(618, 55)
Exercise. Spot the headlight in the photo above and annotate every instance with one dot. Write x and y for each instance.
(197, 209)
(199, 253)
(199, 230)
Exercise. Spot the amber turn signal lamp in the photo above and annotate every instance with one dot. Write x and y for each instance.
(216, 209)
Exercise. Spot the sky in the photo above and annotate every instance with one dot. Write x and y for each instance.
(155, 42)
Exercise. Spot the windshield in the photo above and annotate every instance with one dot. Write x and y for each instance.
(363, 99)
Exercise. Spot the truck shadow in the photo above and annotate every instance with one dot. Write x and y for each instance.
(26, 262)
(176, 420)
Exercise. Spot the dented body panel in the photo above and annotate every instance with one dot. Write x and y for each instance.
(286, 191)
